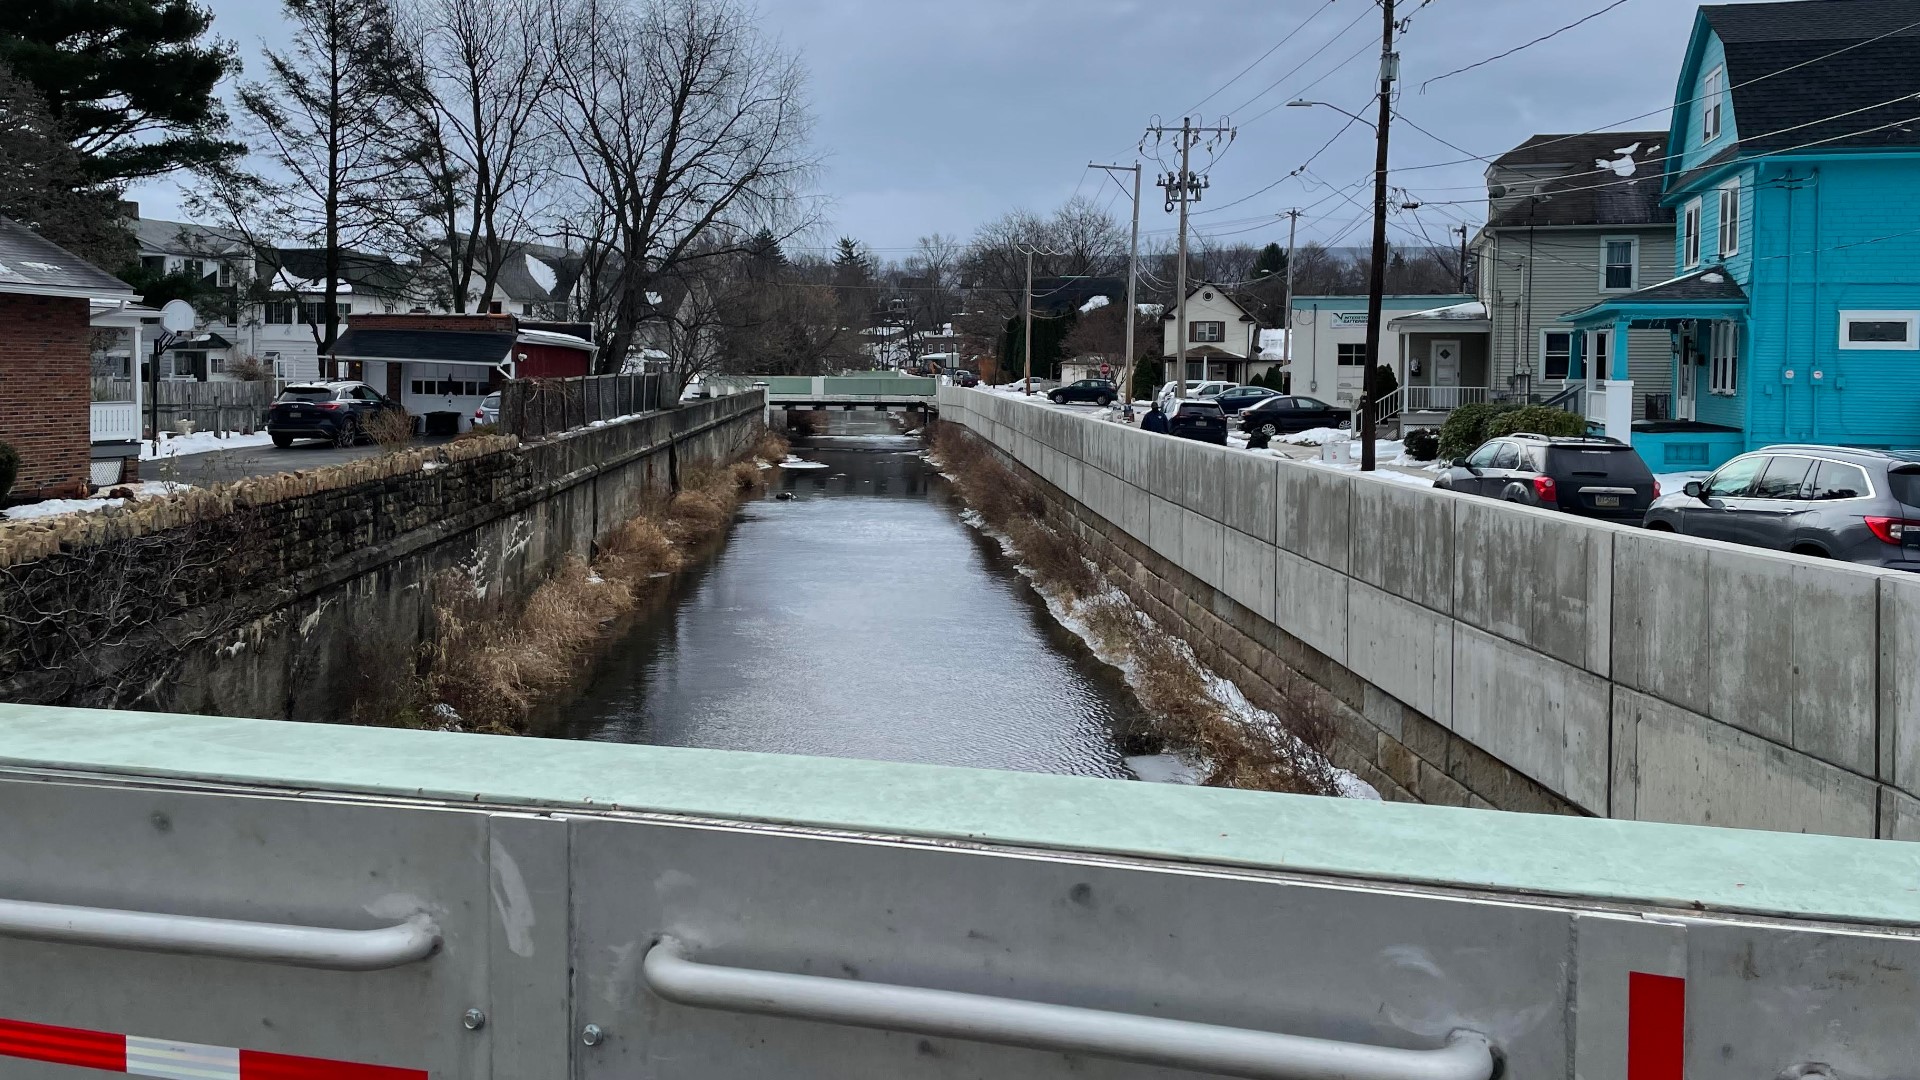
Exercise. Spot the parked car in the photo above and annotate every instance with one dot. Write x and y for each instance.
(963, 377)
(1291, 412)
(1097, 391)
(1233, 399)
(1858, 505)
(489, 410)
(335, 411)
(1196, 388)
(1601, 478)
(1197, 418)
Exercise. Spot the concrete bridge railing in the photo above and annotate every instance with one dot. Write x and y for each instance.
(1484, 653)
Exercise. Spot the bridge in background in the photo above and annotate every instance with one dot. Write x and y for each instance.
(412, 905)
(879, 391)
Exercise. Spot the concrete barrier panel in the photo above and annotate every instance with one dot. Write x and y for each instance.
(1402, 648)
(1249, 572)
(1310, 602)
(1674, 765)
(1202, 547)
(1536, 577)
(1314, 509)
(1777, 645)
(1899, 815)
(1900, 683)
(1247, 493)
(1543, 717)
(1404, 541)
(1105, 447)
(1164, 528)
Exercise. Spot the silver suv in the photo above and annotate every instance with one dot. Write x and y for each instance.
(1832, 502)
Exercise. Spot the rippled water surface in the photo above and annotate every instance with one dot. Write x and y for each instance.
(861, 618)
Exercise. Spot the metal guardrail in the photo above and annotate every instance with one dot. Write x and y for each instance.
(301, 946)
(535, 408)
(1066, 1029)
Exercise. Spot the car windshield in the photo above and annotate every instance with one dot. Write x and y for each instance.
(1199, 408)
(306, 393)
(1598, 462)
(491, 401)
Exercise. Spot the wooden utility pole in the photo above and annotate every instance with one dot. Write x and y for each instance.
(1462, 230)
(1377, 286)
(1133, 276)
(1182, 189)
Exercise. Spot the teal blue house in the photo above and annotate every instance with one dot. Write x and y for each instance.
(1794, 175)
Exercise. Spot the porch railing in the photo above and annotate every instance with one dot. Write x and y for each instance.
(1444, 398)
(115, 421)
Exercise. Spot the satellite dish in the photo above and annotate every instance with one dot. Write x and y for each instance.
(177, 316)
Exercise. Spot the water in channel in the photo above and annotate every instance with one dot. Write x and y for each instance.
(860, 618)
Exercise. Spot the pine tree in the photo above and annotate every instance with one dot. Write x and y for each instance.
(1272, 260)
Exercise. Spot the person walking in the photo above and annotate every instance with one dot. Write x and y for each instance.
(1155, 420)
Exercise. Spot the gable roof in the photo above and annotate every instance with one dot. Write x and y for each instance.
(376, 275)
(1834, 101)
(36, 266)
(1581, 194)
(185, 238)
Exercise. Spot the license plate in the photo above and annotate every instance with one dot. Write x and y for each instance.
(1606, 500)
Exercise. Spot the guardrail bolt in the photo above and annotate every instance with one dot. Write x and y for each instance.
(474, 1019)
(592, 1035)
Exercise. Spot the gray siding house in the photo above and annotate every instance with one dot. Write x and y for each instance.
(1571, 221)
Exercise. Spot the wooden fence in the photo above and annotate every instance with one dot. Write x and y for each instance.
(220, 407)
(533, 408)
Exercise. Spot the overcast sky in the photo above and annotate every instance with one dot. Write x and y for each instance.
(936, 116)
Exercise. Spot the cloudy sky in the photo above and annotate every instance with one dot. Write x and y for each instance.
(936, 116)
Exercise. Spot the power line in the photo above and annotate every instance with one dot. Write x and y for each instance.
(1518, 48)
(1355, 55)
(1311, 57)
(1308, 21)
(1351, 120)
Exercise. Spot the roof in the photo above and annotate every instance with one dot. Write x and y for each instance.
(1461, 315)
(433, 346)
(1709, 285)
(369, 273)
(32, 264)
(1056, 294)
(1831, 103)
(185, 238)
(1573, 189)
(550, 337)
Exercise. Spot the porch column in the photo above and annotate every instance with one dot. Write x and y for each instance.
(1619, 418)
(139, 384)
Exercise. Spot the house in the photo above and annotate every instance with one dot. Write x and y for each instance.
(1329, 345)
(1222, 338)
(1793, 309)
(1571, 220)
(433, 363)
(535, 281)
(47, 301)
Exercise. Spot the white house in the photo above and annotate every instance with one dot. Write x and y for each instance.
(1330, 342)
(1222, 338)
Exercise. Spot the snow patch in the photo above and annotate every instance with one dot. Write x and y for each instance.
(542, 274)
(56, 507)
(1094, 303)
(794, 461)
(1624, 165)
(201, 442)
(1714, 278)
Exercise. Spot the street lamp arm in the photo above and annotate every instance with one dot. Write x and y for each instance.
(1302, 103)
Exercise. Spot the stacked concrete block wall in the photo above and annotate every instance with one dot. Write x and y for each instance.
(313, 585)
(1473, 652)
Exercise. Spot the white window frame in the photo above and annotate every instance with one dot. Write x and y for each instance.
(1712, 101)
(1541, 355)
(1911, 318)
(1598, 357)
(1730, 223)
(1633, 263)
(1690, 234)
(1193, 331)
(1723, 368)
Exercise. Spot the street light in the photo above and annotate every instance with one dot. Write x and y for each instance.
(1302, 103)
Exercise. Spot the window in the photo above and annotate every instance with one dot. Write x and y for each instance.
(1311, 403)
(1723, 376)
(1833, 480)
(216, 364)
(1507, 457)
(1353, 354)
(193, 268)
(1730, 219)
(1734, 478)
(153, 264)
(274, 365)
(1710, 102)
(1556, 353)
(1483, 457)
(526, 310)
(1879, 330)
(1206, 331)
(496, 308)
(1783, 478)
(447, 387)
(1599, 353)
(1621, 258)
(280, 313)
(1690, 234)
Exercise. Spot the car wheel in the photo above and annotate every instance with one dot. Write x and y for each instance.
(1345, 425)
(1269, 430)
(1057, 399)
(283, 441)
(346, 434)
(1103, 401)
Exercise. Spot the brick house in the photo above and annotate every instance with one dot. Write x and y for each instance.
(47, 296)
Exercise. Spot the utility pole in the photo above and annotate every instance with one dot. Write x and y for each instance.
(1293, 225)
(1027, 338)
(1377, 286)
(1183, 188)
(1133, 275)
(1462, 230)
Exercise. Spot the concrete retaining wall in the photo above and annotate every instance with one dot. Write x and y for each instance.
(1472, 651)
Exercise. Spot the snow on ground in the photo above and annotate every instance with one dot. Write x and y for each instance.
(794, 461)
(1319, 436)
(201, 442)
(52, 507)
(1094, 303)
(1384, 474)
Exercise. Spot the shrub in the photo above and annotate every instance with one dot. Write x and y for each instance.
(1466, 427)
(1422, 444)
(1385, 382)
(9, 468)
(1538, 419)
(1146, 379)
(390, 429)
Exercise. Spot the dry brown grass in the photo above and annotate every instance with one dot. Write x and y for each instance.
(390, 429)
(770, 447)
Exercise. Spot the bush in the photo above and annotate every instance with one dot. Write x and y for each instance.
(1146, 379)
(9, 468)
(1538, 419)
(1422, 444)
(1385, 382)
(390, 429)
(1466, 427)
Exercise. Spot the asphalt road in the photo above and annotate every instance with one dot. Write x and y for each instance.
(223, 466)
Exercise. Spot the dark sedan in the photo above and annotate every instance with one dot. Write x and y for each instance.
(1243, 397)
(1086, 391)
(1290, 413)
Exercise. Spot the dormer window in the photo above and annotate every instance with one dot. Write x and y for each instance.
(1710, 101)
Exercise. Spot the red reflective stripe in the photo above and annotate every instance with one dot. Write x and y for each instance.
(63, 1045)
(260, 1065)
(1656, 1026)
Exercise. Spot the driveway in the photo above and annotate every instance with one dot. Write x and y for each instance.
(223, 466)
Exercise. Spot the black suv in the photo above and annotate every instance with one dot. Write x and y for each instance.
(1197, 418)
(335, 411)
(1828, 501)
(1098, 391)
(1600, 478)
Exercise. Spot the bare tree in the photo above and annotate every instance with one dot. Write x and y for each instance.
(333, 115)
(685, 123)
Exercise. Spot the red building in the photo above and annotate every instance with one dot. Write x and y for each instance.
(449, 363)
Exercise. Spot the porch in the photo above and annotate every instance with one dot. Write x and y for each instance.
(1210, 362)
(1445, 362)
